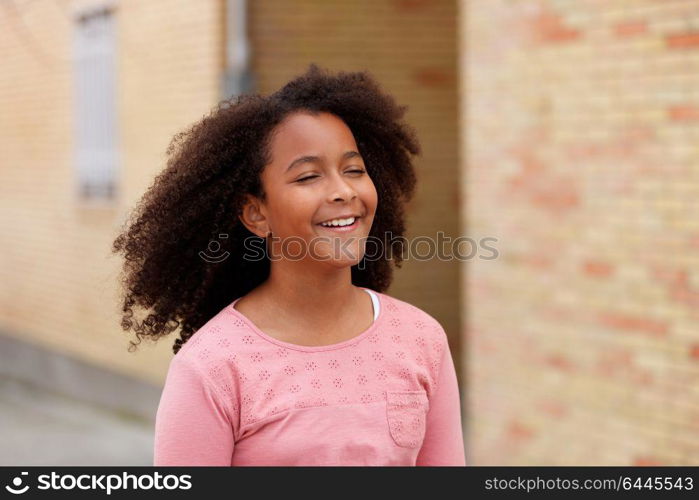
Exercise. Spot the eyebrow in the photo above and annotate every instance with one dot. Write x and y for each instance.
(314, 159)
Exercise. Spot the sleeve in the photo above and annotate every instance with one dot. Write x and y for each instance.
(444, 441)
(193, 424)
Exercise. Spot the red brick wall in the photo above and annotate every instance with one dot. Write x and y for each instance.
(580, 126)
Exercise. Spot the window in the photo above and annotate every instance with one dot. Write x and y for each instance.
(96, 154)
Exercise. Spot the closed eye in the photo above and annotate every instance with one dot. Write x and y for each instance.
(358, 171)
(309, 177)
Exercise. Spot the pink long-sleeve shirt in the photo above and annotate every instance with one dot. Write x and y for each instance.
(234, 395)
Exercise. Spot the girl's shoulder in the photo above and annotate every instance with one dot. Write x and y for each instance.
(211, 345)
(406, 311)
(210, 352)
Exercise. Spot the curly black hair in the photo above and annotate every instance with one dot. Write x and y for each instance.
(214, 163)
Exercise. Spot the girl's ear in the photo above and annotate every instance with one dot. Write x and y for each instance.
(253, 218)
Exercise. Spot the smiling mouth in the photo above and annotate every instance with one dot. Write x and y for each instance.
(345, 228)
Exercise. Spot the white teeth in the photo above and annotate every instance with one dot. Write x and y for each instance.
(339, 222)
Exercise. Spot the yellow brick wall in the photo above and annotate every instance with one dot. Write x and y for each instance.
(58, 279)
(580, 122)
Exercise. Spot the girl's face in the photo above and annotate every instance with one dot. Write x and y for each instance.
(316, 175)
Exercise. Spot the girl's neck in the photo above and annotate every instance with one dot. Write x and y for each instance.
(320, 299)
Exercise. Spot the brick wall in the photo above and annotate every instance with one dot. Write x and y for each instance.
(580, 126)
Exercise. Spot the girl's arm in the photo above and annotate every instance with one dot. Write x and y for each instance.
(444, 442)
(193, 423)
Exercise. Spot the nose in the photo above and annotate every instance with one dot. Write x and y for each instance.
(340, 189)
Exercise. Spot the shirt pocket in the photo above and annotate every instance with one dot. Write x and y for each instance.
(406, 412)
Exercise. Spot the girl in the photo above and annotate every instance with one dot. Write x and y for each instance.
(253, 240)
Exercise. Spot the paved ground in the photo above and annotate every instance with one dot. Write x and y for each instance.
(42, 428)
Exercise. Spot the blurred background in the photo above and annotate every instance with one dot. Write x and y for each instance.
(566, 130)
